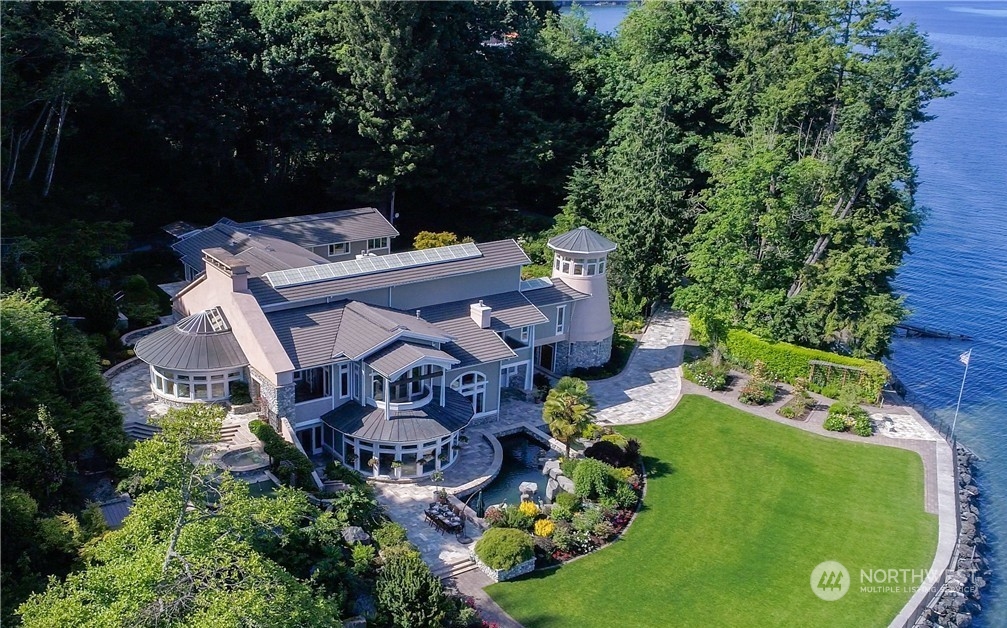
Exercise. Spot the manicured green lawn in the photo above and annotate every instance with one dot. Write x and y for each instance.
(739, 510)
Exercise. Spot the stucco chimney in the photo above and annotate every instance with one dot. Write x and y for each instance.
(225, 270)
(481, 314)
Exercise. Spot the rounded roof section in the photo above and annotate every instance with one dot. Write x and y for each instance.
(582, 241)
(201, 342)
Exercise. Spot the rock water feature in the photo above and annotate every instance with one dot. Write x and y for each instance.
(519, 474)
(958, 600)
(557, 483)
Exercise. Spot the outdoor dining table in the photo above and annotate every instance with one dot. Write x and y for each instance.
(443, 518)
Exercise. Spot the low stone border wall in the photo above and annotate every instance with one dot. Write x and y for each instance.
(130, 338)
(120, 367)
(500, 575)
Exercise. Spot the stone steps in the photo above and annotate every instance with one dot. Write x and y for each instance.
(463, 565)
(144, 431)
(140, 431)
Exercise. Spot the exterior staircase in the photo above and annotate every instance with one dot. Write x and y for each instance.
(456, 568)
(144, 431)
(140, 431)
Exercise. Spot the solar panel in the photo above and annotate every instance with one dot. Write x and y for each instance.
(364, 265)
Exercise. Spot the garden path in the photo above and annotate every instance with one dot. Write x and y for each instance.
(651, 383)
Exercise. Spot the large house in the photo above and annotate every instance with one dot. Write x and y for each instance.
(366, 353)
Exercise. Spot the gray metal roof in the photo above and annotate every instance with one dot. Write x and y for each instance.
(420, 424)
(308, 333)
(348, 225)
(581, 240)
(399, 356)
(201, 342)
(474, 345)
(495, 255)
(365, 327)
(262, 252)
(554, 292)
(116, 510)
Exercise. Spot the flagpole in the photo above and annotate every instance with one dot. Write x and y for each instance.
(960, 391)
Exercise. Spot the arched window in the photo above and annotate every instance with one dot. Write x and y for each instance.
(473, 386)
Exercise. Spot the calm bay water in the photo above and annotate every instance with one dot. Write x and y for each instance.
(956, 277)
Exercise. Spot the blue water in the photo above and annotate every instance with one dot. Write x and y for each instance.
(956, 277)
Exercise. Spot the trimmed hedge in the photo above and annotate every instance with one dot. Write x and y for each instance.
(504, 548)
(787, 362)
(279, 450)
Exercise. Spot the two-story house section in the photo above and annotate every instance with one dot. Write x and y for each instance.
(386, 357)
(301, 240)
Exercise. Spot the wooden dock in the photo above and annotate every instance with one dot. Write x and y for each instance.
(913, 331)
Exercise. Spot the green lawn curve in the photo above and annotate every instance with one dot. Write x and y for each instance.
(738, 512)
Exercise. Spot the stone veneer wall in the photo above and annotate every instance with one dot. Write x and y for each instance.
(279, 400)
(587, 354)
(561, 363)
(517, 381)
(499, 575)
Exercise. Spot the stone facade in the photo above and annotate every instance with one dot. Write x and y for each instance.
(517, 381)
(587, 354)
(561, 363)
(499, 575)
(276, 401)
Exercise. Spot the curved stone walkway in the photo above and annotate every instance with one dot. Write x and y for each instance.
(651, 383)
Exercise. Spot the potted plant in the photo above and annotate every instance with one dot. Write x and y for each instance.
(463, 439)
(397, 469)
(440, 494)
(373, 463)
(420, 464)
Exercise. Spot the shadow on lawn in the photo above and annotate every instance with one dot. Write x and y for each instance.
(657, 468)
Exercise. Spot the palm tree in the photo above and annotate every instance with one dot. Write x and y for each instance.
(568, 411)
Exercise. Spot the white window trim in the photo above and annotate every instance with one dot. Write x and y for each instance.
(525, 334)
(339, 248)
(560, 319)
(479, 386)
(381, 243)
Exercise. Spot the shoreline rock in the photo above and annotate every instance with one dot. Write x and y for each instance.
(958, 601)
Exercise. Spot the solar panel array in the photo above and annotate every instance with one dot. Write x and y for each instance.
(371, 264)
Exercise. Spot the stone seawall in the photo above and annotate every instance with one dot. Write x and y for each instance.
(958, 600)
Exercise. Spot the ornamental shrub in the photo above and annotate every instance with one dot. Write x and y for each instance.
(504, 548)
(606, 451)
(528, 508)
(625, 496)
(568, 501)
(835, 424)
(593, 479)
(757, 392)
(389, 534)
(567, 466)
(544, 527)
(408, 594)
(789, 362)
(280, 451)
(616, 439)
(862, 425)
(363, 556)
(706, 373)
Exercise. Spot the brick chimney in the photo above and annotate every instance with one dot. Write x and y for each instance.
(481, 314)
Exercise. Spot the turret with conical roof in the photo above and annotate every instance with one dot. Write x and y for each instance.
(580, 261)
